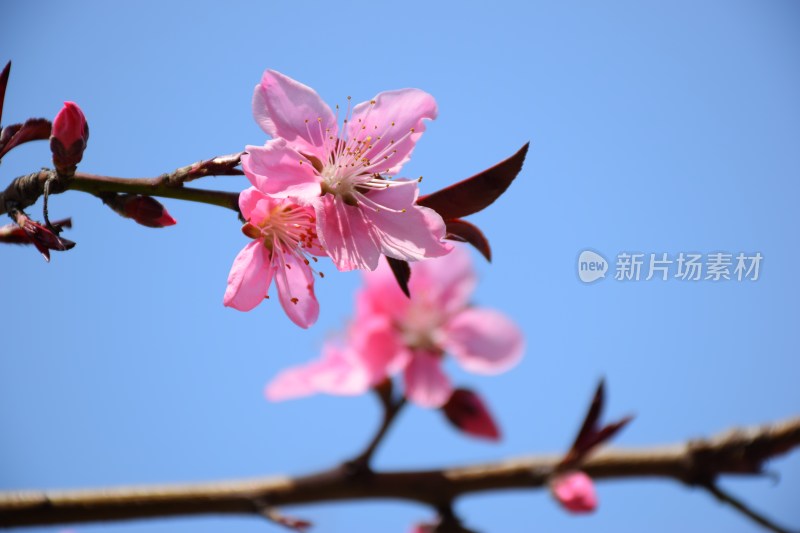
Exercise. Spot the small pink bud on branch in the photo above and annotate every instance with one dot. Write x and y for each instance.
(68, 138)
(574, 491)
(145, 210)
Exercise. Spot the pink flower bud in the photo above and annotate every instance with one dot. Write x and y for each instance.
(69, 136)
(145, 210)
(466, 411)
(70, 125)
(574, 491)
(148, 212)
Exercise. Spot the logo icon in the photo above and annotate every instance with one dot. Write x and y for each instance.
(591, 266)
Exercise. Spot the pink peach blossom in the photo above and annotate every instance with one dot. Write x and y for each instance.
(574, 491)
(341, 370)
(346, 176)
(416, 332)
(284, 238)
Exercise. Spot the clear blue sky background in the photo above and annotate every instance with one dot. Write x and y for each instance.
(655, 127)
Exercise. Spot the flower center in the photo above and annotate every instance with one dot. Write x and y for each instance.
(354, 162)
(286, 229)
(420, 326)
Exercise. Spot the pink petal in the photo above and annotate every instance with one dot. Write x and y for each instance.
(396, 197)
(381, 295)
(377, 344)
(389, 122)
(286, 108)
(426, 383)
(254, 205)
(69, 126)
(483, 340)
(249, 278)
(335, 373)
(448, 281)
(295, 282)
(575, 492)
(278, 170)
(345, 233)
(411, 236)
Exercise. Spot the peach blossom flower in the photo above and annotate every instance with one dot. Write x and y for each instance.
(347, 175)
(414, 335)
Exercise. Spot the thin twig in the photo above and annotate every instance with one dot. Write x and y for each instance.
(391, 408)
(726, 497)
(26, 190)
(742, 451)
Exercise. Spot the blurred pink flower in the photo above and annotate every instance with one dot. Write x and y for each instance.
(392, 333)
(346, 176)
(574, 491)
(284, 238)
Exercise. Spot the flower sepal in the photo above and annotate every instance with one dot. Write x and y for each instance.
(468, 413)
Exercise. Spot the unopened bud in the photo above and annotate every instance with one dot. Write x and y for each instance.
(68, 137)
(574, 491)
(145, 210)
(467, 412)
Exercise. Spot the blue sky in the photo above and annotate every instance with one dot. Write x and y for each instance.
(655, 127)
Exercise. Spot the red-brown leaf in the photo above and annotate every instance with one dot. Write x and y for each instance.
(34, 129)
(463, 231)
(402, 273)
(476, 193)
(3, 84)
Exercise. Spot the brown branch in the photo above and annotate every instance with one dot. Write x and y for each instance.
(743, 508)
(26, 190)
(740, 451)
(391, 407)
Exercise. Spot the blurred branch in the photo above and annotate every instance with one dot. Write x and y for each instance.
(738, 451)
(391, 406)
(26, 190)
(740, 506)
